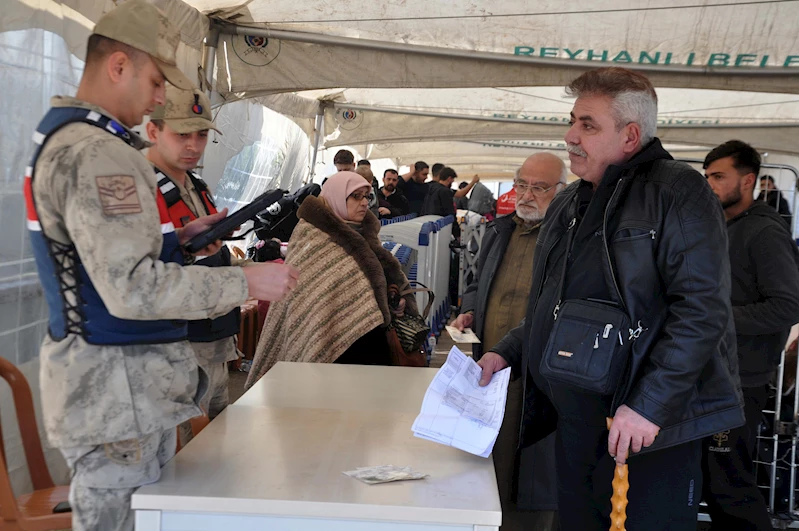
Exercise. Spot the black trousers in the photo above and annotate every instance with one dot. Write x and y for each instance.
(665, 485)
(508, 461)
(734, 502)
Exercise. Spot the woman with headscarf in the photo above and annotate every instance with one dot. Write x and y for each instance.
(340, 309)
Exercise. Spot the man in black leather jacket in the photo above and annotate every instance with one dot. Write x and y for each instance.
(650, 228)
(764, 262)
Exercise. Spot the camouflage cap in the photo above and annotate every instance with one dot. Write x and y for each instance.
(143, 26)
(185, 111)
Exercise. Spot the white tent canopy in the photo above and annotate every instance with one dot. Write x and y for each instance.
(460, 70)
(492, 160)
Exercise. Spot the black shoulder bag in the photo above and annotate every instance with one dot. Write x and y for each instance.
(590, 343)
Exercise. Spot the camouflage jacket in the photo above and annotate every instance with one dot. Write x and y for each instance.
(93, 394)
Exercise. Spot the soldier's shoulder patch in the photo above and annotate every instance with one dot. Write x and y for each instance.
(118, 195)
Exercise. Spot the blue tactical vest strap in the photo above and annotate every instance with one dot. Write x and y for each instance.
(60, 269)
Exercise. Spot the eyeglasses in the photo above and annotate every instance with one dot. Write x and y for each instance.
(358, 196)
(522, 188)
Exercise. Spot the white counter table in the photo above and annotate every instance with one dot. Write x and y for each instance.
(274, 461)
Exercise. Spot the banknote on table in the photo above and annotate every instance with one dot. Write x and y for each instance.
(373, 475)
(467, 336)
(457, 412)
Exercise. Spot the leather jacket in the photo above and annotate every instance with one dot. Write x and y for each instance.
(665, 237)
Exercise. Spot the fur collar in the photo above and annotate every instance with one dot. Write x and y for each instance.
(362, 248)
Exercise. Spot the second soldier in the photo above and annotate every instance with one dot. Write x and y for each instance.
(179, 132)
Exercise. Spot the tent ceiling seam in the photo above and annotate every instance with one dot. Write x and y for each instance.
(427, 114)
(368, 44)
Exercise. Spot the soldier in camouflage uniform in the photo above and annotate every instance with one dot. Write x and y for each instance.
(179, 133)
(117, 374)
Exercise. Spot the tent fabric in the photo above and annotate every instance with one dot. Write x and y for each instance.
(360, 127)
(448, 56)
(259, 150)
(552, 42)
(35, 64)
(623, 32)
(480, 157)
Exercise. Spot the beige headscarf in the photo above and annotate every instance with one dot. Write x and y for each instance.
(338, 188)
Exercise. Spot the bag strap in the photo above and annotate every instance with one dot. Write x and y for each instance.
(423, 289)
(562, 287)
(606, 249)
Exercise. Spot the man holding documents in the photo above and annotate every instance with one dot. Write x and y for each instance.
(631, 318)
(496, 301)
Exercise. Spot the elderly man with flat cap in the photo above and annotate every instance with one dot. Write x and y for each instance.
(117, 374)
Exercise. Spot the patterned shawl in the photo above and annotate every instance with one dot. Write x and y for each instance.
(341, 294)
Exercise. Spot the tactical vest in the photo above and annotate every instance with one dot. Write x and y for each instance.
(202, 330)
(74, 304)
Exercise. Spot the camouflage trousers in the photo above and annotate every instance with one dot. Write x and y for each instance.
(215, 400)
(105, 477)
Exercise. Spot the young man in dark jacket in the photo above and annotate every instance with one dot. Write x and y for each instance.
(391, 198)
(414, 186)
(648, 235)
(764, 261)
(440, 199)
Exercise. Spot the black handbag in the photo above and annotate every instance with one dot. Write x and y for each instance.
(407, 334)
(589, 347)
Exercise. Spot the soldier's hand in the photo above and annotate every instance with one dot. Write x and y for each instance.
(475, 179)
(199, 225)
(629, 431)
(491, 362)
(269, 281)
(464, 320)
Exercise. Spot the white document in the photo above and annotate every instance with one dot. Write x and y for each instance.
(467, 336)
(457, 412)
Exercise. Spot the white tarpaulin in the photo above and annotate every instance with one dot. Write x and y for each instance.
(347, 125)
(536, 43)
(747, 48)
(507, 156)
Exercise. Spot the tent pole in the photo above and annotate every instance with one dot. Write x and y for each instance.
(367, 44)
(211, 44)
(502, 119)
(317, 140)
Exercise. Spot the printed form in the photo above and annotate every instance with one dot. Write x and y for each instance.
(457, 412)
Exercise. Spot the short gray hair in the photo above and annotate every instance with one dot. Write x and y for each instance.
(633, 97)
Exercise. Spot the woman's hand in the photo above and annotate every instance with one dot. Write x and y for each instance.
(399, 311)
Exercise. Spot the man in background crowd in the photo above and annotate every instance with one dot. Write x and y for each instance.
(764, 262)
(414, 187)
(344, 160)
(364, 169)
(771, 195)
(392, 199)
